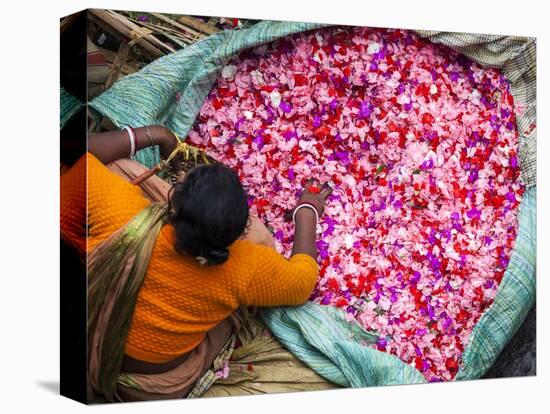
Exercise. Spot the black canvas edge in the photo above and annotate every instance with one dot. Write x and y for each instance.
(73, 277)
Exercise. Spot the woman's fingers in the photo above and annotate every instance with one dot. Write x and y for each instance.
(326, 191)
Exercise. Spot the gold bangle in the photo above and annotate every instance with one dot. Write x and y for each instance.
(149, 136)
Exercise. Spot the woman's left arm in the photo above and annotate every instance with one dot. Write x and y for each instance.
(110, 146)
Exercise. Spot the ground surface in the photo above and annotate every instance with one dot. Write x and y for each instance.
(519, 357)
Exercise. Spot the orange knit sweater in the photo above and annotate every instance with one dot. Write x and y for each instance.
(179, 300)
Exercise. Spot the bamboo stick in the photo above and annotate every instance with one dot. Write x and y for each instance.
(197, 25)
(147, 174)
(103, 18)
(175, 24)
(116, 67)
(138, 31)
(110, 56)
(167, 32)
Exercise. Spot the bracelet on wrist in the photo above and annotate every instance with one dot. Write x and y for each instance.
(305, 205)
(132, 136)
(148, 133)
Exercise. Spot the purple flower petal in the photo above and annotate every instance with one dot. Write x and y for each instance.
(316, 121)
(343, 156)
(291, 174)
(259, 140)
(286, 107)
(381, 342)
(326, 298)
(426, 165)
(416, 277)
(473, 212)
(425, 365)
(239, 123)
(287, 135)
(365, 110)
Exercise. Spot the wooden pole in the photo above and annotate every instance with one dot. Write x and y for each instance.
(175, 24)
(197, 25)
(116, 67)
(138, 32)
(147, 174)
(104, 18)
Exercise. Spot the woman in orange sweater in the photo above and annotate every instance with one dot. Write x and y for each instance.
(201, 268)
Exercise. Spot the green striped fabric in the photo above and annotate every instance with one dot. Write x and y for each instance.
(70, 105)
(515, 297)
(336, 348)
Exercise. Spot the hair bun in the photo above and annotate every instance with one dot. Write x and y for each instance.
(215, 256)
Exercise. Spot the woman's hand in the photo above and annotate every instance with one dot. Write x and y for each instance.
(316, 195)
(313, 194)
(306, 224)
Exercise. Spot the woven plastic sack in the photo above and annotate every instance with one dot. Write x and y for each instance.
(171, 91)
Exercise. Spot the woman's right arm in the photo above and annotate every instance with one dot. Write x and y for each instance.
(306, 222)
(278, 281)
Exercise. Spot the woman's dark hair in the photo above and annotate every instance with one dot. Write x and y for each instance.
(209, 211)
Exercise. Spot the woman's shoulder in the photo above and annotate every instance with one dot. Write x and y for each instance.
(243, 250)
(248, 256)
(253, 254)
(244, 256)
(246, 247)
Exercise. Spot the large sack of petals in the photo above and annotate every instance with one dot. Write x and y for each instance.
(420, 145)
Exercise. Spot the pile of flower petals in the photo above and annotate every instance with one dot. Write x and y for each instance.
(420, 145)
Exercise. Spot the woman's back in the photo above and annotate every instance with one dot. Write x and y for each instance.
(180, 300)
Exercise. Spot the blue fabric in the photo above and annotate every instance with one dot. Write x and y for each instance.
(322, 338)
(69, 106)
(515, 297)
